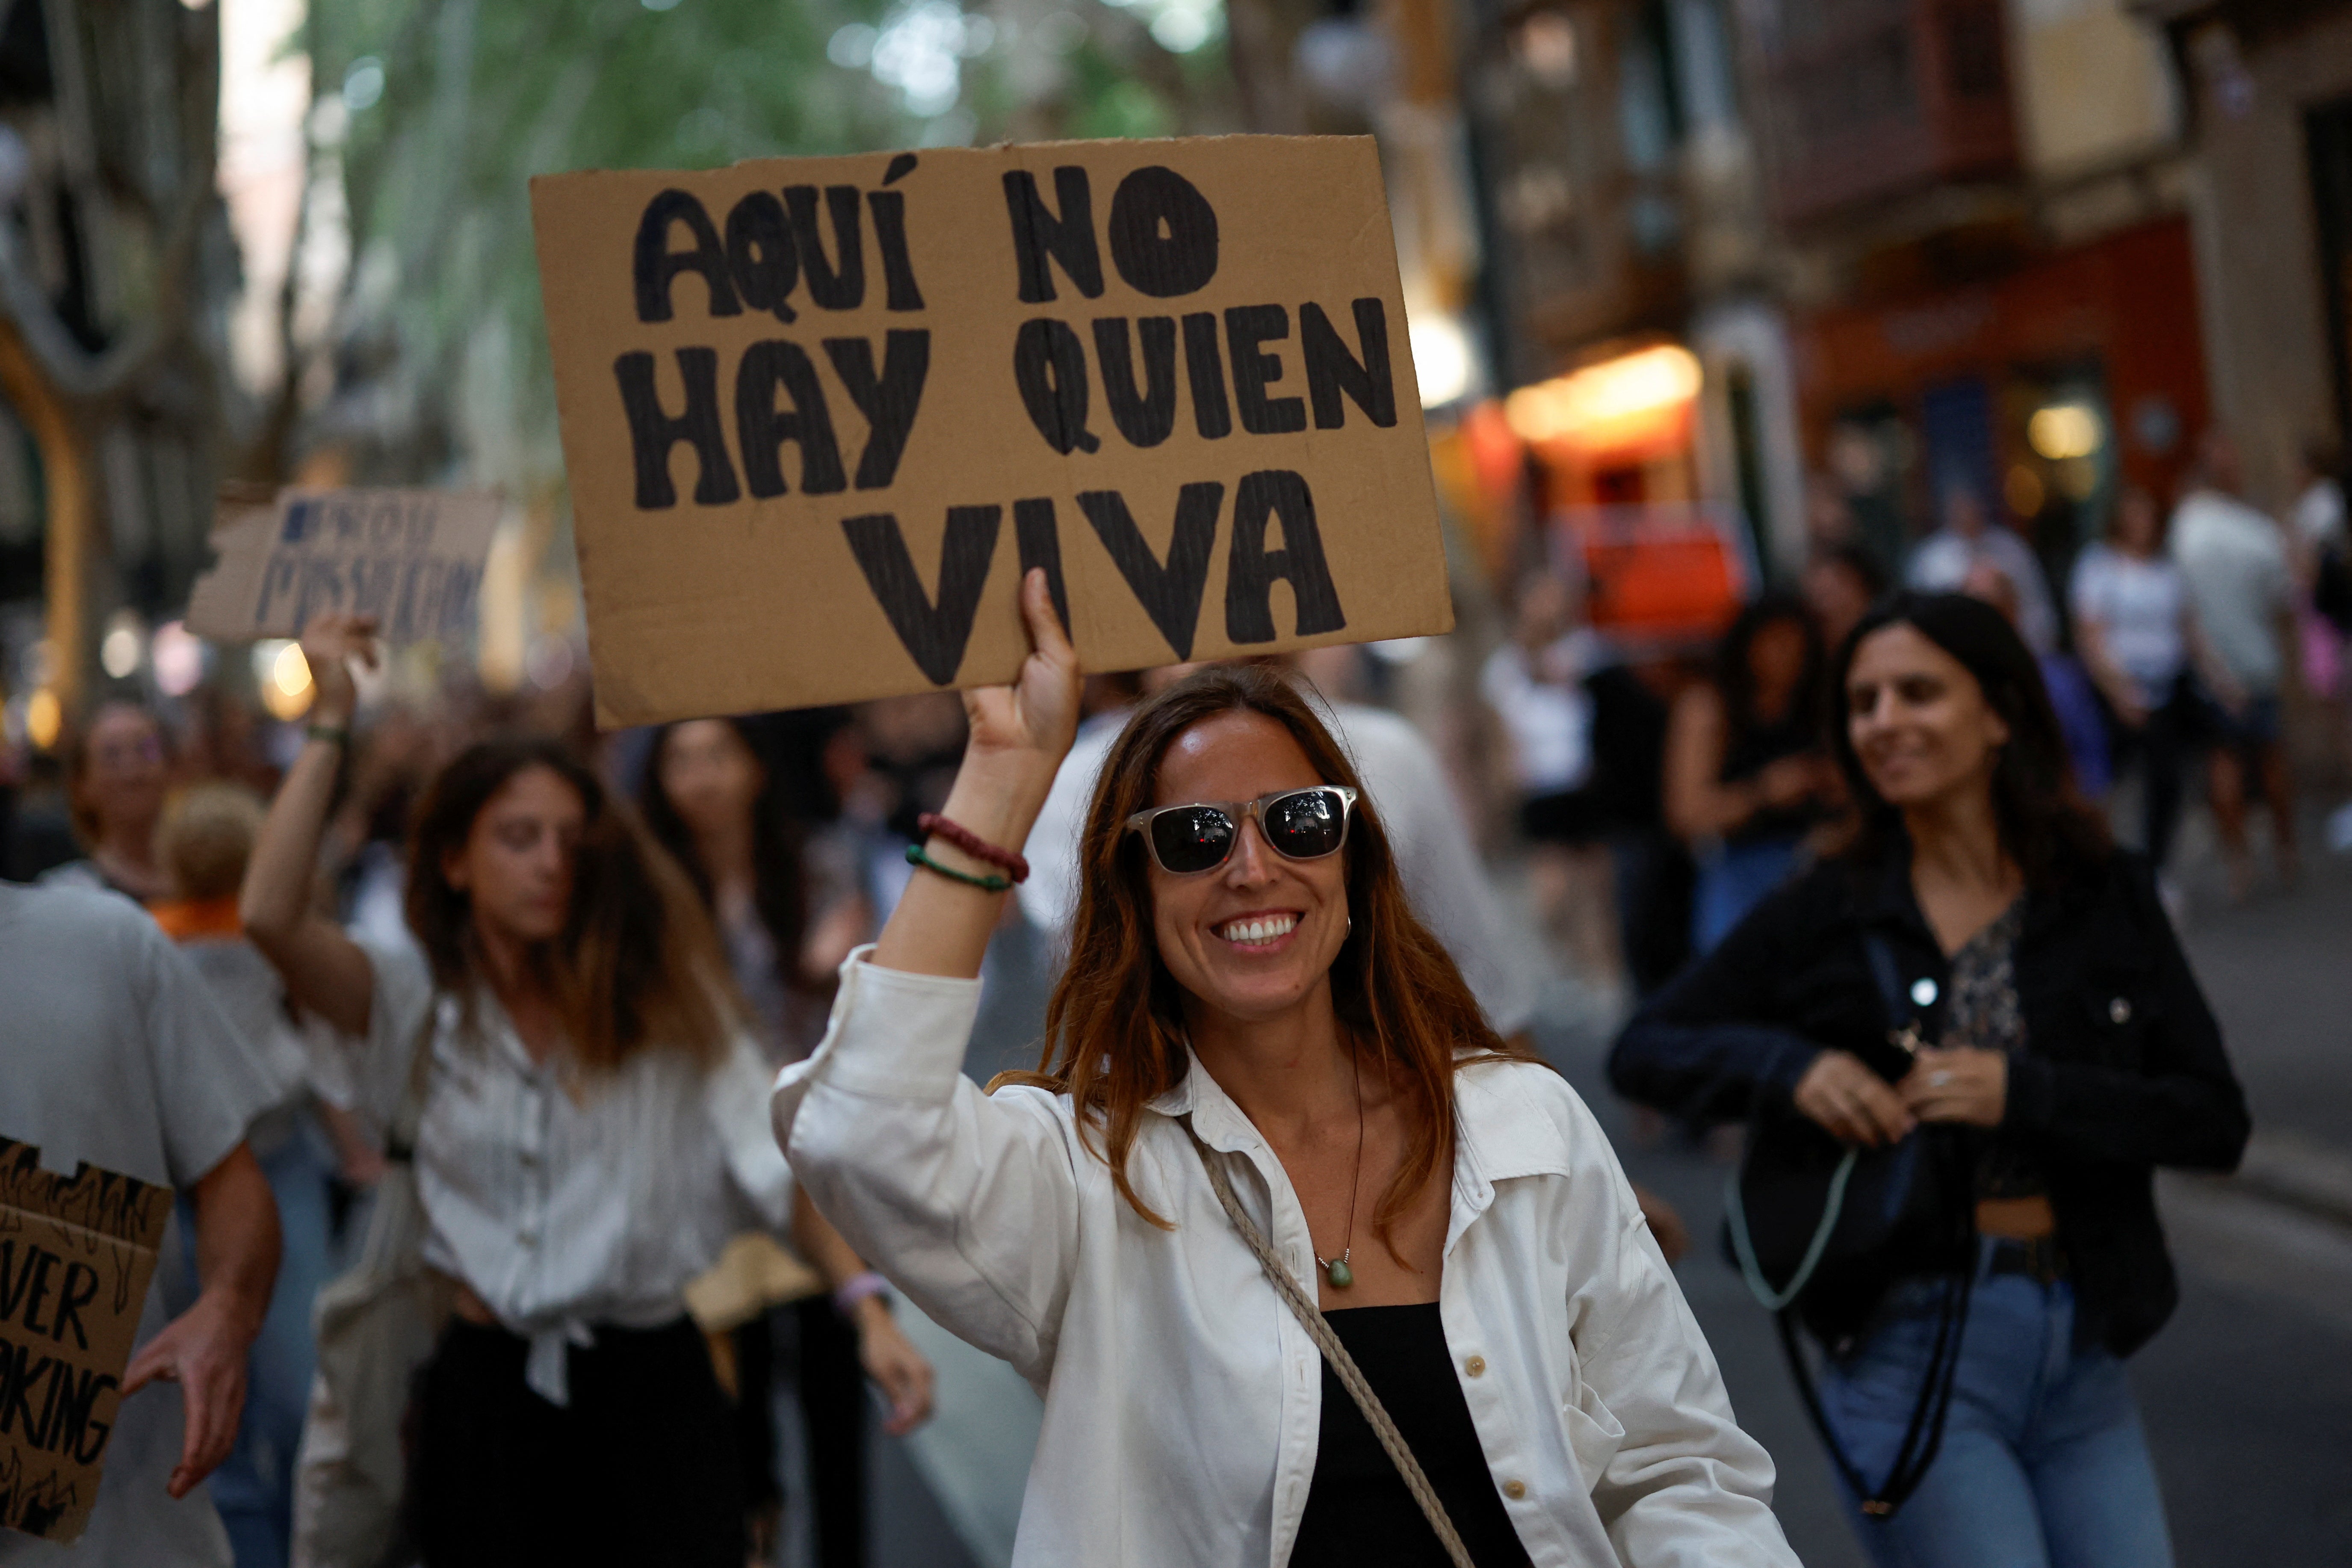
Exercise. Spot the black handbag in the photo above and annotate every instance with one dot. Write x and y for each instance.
(1802, 1203)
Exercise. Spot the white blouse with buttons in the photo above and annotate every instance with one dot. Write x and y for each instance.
(1182, 1400)
(566, 1199)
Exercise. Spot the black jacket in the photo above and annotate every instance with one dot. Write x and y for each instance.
(2123, 1068)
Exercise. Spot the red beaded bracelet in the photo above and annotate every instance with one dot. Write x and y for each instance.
(932, 824)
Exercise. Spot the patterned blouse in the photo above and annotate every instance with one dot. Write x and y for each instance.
(1984, 1012)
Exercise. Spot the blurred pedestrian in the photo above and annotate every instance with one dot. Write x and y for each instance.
(204, 842)
(590, 1139)
(1633, 703)
(1745, 777)
(787, 913)
(2069, 1051)
(116, 1054)
(2138, 636)
(1535, 684)
(2072, 696)
(2323, 542)
(2242, 587)
(1842, 582)
(1225, 1019)
(1941, 562)
(117, 768)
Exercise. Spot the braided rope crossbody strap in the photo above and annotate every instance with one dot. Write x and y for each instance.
(1351, 1378)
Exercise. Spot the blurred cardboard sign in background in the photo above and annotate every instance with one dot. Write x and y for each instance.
(76, 1256)
(413, 559)
(819, 414)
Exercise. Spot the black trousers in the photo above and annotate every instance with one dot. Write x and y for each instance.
(831, 1385)
(638, 1471)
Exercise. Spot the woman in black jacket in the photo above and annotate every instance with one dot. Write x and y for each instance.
(2076, 1053)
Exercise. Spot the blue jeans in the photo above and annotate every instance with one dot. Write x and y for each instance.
(1732, 881)
(2044, 1464)
(254, 1487)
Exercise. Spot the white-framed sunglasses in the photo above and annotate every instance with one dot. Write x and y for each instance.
(1298, 824)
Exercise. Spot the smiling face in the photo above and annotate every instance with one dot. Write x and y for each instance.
(1919, 721)
(1255, 937)
(515, 866)
(124, 774)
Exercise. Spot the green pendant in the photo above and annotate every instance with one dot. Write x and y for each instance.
(1340, 1274)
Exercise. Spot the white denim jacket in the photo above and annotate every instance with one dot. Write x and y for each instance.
(1182, 1400)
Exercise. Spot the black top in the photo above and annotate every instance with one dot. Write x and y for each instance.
(2122, 1068)
(1358, 1512)
(1748, 750)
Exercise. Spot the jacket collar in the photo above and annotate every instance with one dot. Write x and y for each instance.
(1884, 898)
(1501, 1135)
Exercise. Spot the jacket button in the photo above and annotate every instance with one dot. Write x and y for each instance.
(2119, 1011)
(1515, 1490)
(1475, 1366)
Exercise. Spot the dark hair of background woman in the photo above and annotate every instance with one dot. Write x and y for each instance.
(638, 964)
(779, 886)
(1735, 679)
(2044, 825)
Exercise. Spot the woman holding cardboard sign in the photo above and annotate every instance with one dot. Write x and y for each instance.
(1310, 1266)
(586, 1104)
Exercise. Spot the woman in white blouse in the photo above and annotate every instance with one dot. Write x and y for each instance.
(591, 1134)
(1248, 992)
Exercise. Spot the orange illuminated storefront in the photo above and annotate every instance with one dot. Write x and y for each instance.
(2043, 391)
(1609, 451)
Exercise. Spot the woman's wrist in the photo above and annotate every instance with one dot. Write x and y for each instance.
(860, 1295)
(998, 797)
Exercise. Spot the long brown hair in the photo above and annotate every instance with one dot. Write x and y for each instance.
(638, 965)
(1115, 1027)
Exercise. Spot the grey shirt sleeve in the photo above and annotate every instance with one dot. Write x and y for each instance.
(211, 1083)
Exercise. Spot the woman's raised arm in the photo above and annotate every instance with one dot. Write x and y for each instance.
(324, 970)
(1019, 735)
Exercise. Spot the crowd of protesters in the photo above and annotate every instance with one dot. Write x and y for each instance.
(550, 977)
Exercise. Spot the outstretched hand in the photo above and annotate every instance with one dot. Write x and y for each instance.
(1034, 719)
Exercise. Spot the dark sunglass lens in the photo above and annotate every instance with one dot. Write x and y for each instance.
(1305, 824)
(1191, 837)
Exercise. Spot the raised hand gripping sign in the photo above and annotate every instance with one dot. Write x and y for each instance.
(820, 414)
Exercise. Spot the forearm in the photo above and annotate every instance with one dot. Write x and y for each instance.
(941, 926)
(2117, 1114)
(237, 1239)
(1708, 810)
(823, 1248)
(275, 897)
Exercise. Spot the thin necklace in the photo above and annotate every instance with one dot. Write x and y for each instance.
(1336, 1269)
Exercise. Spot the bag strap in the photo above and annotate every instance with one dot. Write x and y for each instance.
(1923, 1436)
(1743, 1246)
(1318, 1329)
(400, 1137)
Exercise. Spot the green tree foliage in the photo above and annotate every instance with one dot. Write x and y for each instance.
(434, 114)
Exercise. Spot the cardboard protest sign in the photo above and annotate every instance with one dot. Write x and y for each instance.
(76, 1256)
(413, 559)
(820, 414)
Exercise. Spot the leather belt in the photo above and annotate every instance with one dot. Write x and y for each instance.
(2039, 1259)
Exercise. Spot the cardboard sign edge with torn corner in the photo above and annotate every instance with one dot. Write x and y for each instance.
(223, 603)
(21, 1165)
(637, 683)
